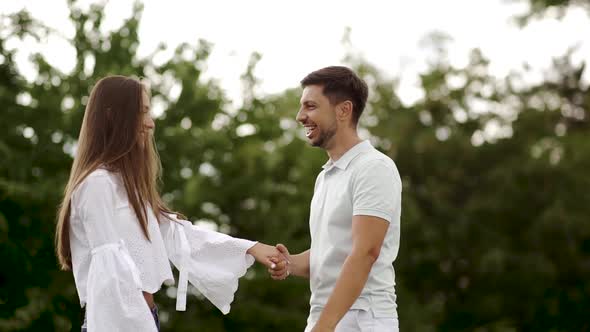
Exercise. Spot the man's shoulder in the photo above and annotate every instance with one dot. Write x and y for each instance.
(374, 158)
(375, 164)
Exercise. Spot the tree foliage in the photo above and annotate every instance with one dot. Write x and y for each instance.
(495, 228)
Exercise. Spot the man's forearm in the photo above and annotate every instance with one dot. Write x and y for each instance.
(300, 264)
(349, 286)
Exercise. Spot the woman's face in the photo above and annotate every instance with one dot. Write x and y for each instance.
(148, 123)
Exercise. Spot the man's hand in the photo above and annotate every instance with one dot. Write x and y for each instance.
(281, 272)
(297, 265)
(269, 256)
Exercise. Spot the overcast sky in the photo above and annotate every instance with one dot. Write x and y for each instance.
(296, 37)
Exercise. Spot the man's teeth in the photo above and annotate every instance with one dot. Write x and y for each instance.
(309, 130)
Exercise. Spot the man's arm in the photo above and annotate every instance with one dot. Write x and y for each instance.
(299, 264)
(368, 233)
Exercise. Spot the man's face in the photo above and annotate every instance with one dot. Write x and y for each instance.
(318, 116)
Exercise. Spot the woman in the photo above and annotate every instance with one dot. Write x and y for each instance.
(116, 234)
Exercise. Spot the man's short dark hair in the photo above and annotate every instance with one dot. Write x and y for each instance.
(340, 84)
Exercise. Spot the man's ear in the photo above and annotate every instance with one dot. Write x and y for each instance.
(344, 110)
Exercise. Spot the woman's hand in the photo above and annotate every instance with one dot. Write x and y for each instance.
(281, 272)
(269, 256)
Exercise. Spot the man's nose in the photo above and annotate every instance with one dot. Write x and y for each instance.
(300, 116)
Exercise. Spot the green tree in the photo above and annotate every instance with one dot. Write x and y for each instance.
(495, 231)
(540, 8)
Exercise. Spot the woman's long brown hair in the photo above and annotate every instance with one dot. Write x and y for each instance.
(111, 137)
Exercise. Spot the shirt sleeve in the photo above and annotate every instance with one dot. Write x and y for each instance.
(114, 300)
(376, 190)
(213, 262)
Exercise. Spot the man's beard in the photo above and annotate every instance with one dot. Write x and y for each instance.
(325, 137)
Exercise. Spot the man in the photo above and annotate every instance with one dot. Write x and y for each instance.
(355, 213)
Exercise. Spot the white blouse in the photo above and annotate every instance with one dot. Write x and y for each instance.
(113, 262)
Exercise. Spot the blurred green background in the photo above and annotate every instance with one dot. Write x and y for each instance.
(496, 204)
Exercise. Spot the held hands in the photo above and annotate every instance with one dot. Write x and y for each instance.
(276, 259)
(281, 272)
(270, 257)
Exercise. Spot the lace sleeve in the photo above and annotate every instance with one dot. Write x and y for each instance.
(213, 262)
(114, 300)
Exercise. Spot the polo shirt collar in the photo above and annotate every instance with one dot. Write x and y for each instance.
(349, 155)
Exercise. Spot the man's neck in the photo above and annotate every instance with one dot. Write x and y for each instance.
(342, 143)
